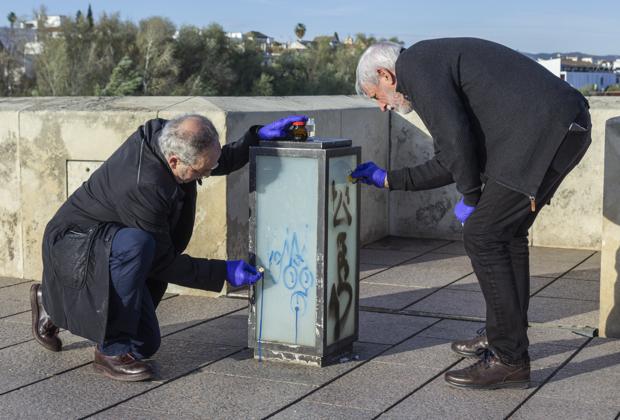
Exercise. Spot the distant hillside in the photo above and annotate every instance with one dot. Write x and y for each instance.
(546, 56)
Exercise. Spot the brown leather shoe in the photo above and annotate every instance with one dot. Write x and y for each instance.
(474, 347)
(122, 368)
(490, 373)
(43, 329)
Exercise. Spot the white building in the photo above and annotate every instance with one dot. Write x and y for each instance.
(579, 73)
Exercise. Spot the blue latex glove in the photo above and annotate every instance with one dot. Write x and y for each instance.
(239, 273)
(279, 129)
(462, 211)
(369, 173)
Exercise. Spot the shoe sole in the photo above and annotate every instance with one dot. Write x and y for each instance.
(34, 310)
(504, 385)
(478, 353)
(126, 378)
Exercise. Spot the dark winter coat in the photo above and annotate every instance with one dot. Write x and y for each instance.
(133, 188)
(492, 113)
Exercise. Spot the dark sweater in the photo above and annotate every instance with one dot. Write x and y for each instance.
(492, 112)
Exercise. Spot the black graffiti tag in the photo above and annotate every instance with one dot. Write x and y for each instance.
(341, 289)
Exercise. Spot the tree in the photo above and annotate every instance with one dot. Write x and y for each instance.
(155, 45)
(300, 30)
(125, 79)
(12, 17)
(89, 17)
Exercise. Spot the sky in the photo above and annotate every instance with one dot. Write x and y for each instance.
(532, 26)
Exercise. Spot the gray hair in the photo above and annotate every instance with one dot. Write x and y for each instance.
(380, 55)
(187, 144)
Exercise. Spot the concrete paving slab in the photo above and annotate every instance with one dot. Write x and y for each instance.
(385, 257)
(539, 408)
(563, 311)
(9, 281)
(553, 262)
(438, 400)
(390, 297)
(374, 386)
(453, 248)
(128, 413)
(29, 362)
(217, 396)
(382, 328)
(15, 299)
(555, 336)
(308, 410)
(430, 270)
(244, 365)
(397, 243)
(230, 330)
(600, 354)
(452, 302)
(590, 269)
(367, 270)
(572, 289)
(421, 351)
(97, 392)
(15, 329)
(592, 387)
(180, 311)
(449, 329)
(470, 283)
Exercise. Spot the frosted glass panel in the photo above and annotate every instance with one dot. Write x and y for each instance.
(286, 246)
(341, 249)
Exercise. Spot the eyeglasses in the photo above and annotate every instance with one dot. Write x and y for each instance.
(204, 173)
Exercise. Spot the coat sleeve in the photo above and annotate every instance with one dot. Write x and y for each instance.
(235, 155)
(431, 80)
(149, 211)
(422, 177)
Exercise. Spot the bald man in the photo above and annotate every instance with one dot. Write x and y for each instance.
(115, 244)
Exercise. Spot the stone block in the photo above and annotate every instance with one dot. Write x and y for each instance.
(450, 329)
(367, 270)
(425, 214)
(15, 329)
(609, 324)
(554, 262)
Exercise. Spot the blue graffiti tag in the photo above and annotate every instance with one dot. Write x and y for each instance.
(288, 267)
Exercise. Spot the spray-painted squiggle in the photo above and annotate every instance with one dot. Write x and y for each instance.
(288, 267)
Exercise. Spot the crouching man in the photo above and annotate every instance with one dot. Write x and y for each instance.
(115, 244)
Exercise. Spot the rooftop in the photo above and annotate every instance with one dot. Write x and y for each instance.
(416, 296)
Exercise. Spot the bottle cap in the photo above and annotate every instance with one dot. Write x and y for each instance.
(299, 123)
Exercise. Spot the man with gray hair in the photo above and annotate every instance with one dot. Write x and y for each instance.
(115, 244)
(507, 132)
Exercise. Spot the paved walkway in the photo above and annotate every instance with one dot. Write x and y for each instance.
(416, 296)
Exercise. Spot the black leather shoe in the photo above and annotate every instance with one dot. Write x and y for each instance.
(474, 347)
(490, 373)
(43, 329)
(122, 368)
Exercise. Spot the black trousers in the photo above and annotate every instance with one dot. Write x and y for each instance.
(496, 241)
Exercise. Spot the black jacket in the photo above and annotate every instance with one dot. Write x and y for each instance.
(133, 188)
(492, 112)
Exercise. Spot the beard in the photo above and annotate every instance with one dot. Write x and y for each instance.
(399, 104)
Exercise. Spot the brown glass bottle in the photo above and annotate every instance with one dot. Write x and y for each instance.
(298, 131)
